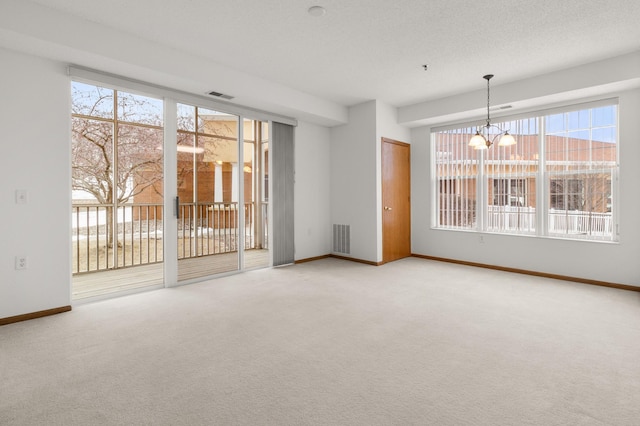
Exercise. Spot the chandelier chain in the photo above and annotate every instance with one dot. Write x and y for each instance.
(488, 103)
(483, 138)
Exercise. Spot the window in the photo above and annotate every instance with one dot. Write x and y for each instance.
(117, 172)
(556, 181)
(509, 192)
(456, 168)
(460, 208)
(566, 194)
(581, 164)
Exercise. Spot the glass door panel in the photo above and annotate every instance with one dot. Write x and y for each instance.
(208, 181)
(117, 190)
(256, 253)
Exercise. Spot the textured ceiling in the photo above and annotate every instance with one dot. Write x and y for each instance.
(375, 49)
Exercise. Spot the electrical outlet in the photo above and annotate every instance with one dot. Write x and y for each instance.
(21, 262)
(481, 239)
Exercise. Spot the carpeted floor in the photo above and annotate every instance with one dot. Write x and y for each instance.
(332, 342)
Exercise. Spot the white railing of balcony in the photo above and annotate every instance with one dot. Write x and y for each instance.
(580, 223)
(560, 222)
(515, 219)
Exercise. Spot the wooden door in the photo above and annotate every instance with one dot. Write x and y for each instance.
(396, 200)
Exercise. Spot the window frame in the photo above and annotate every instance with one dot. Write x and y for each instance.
(541, 182)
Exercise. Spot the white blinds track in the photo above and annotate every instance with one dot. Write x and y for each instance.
(123, 83)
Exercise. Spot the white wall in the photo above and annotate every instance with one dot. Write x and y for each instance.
(387, 124)
(609, 262)
(34, 133)
(312, 199)
(353, 179)
(356, 185)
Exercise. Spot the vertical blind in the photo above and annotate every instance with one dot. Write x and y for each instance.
(558, 180)
(282, 175)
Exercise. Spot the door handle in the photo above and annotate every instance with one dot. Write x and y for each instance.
(387, 208)
(177, 207)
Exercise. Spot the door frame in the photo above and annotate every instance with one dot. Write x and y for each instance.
(384, 206)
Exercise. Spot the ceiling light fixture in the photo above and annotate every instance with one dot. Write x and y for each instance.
(317, 11)
(484, 138)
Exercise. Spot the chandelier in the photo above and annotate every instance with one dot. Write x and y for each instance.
(487, 134)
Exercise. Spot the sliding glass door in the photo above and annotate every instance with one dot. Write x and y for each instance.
(208, 192)
(222, 198)
(127, 149)
(256, 194)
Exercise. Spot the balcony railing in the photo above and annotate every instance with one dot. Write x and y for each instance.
(560, 222)
(507, 218)
(523, 220)
(212, 228)
(203, 229)
(577, 222)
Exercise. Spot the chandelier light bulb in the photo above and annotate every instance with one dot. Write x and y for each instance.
(507, 140)
(478, 141)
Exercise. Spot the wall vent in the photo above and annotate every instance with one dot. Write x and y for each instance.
(220, 95)
(342, 239)
(500, 107)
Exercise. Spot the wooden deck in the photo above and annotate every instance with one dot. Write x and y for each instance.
(102, 283)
